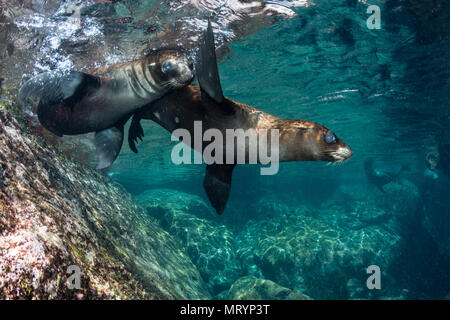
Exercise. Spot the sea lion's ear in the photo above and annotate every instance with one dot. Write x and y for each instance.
(52, 87)
(217, 185)
(108, 143)
(207, 71)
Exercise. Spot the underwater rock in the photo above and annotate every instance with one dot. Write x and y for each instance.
(169, 199)
(209, 244)
(314, 252)
(55, 213)
(435, 211)
(401, 198)
(252, 288)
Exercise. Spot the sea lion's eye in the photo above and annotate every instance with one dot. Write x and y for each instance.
(330, 137)
(166, 66)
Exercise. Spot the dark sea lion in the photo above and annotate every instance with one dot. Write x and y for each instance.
(299, 140)
(380, 174)
(102, 100)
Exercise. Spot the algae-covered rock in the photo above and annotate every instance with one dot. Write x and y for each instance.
(169, 199)
(209, 244)
(55, 213)
(298, 248)
(252, 288)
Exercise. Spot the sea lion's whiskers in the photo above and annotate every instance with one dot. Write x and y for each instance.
(166, 84)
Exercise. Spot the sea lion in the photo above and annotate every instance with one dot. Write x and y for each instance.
(102, 100)
(299, 140)
(380, 174)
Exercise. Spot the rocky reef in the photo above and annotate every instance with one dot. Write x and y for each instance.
(56, 213)
(299, 248)
(283, 249)
(208, 243)
(252, 288)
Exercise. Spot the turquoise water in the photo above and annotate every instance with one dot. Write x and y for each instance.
(313, 227)
(385, 93)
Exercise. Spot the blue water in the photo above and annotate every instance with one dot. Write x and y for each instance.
(386, 94)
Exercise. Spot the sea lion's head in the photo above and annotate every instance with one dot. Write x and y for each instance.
(171, 68)
(310, 141)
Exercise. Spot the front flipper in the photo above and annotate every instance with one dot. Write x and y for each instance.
(108, 143)
(208, 73)
(135, 132)
(53, 87)
(217, 184)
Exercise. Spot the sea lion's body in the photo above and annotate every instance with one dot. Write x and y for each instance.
(183, 107)
(107, 97)
(72, 102)
(102, 100)
(299, 140)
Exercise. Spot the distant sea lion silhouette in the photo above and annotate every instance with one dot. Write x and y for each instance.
(102, 100)
(300, 140)
(381, 174)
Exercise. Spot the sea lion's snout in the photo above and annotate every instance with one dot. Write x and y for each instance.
(342, 153)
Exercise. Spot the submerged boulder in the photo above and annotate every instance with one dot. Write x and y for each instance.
(57, 216)
(209, 244)
(252, 288)
(314, 252)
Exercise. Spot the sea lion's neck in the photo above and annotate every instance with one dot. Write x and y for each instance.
(133, 85)
(142, 82)
(181, 108)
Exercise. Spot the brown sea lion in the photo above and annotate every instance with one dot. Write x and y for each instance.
(102, 100)
(299, 140)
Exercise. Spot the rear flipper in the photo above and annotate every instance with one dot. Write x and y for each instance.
(217, 185)
(135, 132)
(108, 143)
(52, 87)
